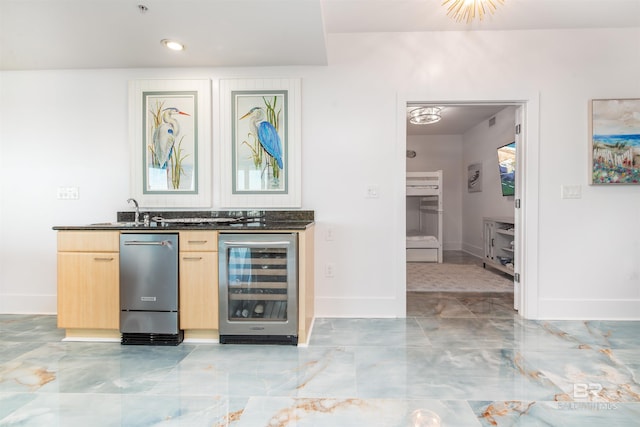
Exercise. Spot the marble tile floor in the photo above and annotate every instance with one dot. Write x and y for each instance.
(468, 359)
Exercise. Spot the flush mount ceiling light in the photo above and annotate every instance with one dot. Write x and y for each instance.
(172, 44)
(468, 10)
(425, 115)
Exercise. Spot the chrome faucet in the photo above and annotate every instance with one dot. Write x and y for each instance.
(137, 208)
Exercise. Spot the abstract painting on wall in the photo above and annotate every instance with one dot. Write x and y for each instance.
(614, 141)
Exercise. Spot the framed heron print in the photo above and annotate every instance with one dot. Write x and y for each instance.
(259, 138)
(614, 141)
(170, 140)
(261, 143)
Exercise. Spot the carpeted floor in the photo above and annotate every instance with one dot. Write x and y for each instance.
(433, 277)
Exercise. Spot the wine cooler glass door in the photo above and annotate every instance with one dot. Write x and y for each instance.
(258, 284)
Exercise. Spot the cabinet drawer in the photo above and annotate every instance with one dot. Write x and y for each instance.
(88, 241)
(198, 241)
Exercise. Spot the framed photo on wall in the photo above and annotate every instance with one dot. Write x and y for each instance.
(260, 151)
(474, 178)
(614, 141)
(170, 141)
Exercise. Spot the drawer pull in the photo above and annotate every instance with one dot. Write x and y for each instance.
(196, 242)
(192, 258)
(103, 259)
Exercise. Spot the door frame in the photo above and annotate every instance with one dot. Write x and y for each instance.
(527, 177)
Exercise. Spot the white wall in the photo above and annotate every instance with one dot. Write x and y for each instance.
(444, 152)
(480, 146)
(69, 128)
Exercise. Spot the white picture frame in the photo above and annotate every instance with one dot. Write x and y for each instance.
(252, 175)
(474, 178)
(173, 171)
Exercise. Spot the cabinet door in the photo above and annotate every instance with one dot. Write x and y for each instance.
(488, 239)
(88, 292)
(198, 290)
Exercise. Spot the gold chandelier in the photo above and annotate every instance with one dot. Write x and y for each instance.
(468, 10)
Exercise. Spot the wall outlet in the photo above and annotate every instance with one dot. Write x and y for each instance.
(329, 269)
(328, 234)
(373, 192)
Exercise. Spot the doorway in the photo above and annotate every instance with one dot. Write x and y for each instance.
(469, 250)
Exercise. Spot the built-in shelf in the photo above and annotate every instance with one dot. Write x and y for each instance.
(498, 244)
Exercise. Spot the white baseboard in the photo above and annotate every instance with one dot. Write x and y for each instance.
(355, 307)
(28, 304)
(451, 246)
(473, 250)
(90, 339)
(588, 309)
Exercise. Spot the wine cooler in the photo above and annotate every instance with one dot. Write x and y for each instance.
(258, 288)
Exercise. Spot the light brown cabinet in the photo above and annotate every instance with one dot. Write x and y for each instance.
(306, 288)
(88, 277)
(89, 294)
(198, 280)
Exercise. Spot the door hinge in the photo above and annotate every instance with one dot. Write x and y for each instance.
(516, 277)
(517, 201)
(518, 129)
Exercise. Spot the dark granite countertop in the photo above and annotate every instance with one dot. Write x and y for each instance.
(211, 220)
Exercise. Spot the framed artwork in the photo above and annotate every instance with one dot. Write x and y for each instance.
(614, 141)
(170, 140)
(259, 141)
(474, 178)
(260, 147)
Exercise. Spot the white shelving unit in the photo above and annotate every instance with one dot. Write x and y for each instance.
(499, 233)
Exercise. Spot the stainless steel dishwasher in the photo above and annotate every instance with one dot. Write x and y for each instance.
(149, 289)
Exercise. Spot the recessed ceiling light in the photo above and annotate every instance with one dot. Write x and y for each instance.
(172, 44)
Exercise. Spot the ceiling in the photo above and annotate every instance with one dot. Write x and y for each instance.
(95, 34)
(63, 34)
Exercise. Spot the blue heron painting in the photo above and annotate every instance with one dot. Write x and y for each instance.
(166, 142)
(266, 149)
(267, 134)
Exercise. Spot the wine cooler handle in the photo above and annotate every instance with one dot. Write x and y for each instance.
(264, 244)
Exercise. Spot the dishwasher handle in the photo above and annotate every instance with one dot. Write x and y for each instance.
(146, 243)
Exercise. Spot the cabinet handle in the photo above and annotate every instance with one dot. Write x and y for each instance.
(192, 258)
(103, 259)
(196, 242)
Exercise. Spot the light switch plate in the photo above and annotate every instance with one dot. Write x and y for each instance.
(571, 191)
(68, 193)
